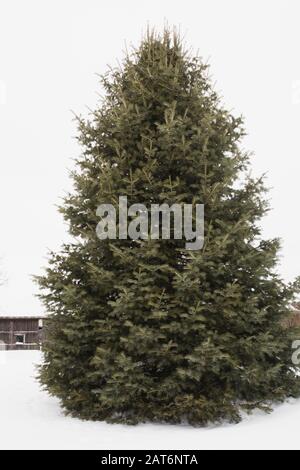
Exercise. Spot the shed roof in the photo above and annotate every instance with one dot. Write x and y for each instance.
(23, 317)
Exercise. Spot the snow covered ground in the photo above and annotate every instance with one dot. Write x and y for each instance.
(30, 419)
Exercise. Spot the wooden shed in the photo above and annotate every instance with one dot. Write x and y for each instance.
(21, 332)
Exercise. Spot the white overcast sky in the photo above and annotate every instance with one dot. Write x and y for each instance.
(50, 53)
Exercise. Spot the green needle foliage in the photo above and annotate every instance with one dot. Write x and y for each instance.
(147, 330)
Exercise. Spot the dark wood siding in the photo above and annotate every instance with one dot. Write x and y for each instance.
(4, 337)
(26, 325)
(29, 328)
(4, 324)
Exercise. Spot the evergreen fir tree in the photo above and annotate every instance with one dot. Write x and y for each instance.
(147, 330)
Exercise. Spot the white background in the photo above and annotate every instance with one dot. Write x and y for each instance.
(50, 53)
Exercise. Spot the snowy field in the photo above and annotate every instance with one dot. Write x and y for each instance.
(30, 419)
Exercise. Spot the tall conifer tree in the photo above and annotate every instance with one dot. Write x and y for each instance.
(147, 330)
